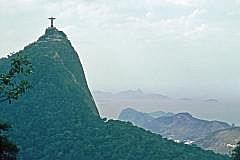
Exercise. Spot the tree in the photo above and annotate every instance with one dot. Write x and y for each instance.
(8, 150)
(13, 83)
(12, 86)
(236, 152)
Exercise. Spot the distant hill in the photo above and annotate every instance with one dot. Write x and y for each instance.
(110, 104)
(159, 114)
(137, 118)
(182, 126)
(58, 119)
(141, 119)
(130, 94)
(222, 141)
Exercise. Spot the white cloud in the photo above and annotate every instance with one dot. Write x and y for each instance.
(15, 3)
(195, 13)
(171, 2)
(195, 32)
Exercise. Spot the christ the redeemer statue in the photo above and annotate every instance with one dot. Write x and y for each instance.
(52, 19)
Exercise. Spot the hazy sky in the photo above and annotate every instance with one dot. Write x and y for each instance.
(182, 48)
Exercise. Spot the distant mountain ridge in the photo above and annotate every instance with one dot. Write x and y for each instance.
(181, 126)
(141, 119)
(111, 103)
(58, 119)
(160, 114)
(130, 94)
(222, 141)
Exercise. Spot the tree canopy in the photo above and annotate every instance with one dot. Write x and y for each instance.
(236, 152)
(12, 82)
(12, 86)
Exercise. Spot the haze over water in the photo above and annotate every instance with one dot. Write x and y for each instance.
(178, 48)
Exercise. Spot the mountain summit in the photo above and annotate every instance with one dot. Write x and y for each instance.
(59, 100)
(55, 49)
(58, 118)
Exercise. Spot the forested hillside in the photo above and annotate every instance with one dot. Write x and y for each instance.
(58, 118)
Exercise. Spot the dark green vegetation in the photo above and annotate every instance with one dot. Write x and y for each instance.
(236, 152)
(8, 150)
(13, 83)
(12, 86)
(58, 119)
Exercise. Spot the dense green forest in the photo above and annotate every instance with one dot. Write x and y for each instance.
(12, 86)
(58, 118)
